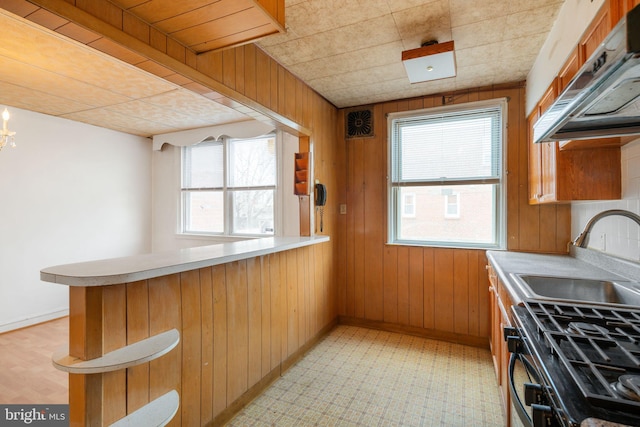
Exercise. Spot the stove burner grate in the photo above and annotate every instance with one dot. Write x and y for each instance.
(598, 345)
(586, 329)
(628, 387)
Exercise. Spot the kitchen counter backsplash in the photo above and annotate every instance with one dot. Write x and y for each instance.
(622, 267)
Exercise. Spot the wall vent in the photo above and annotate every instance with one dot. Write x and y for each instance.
(359, 123)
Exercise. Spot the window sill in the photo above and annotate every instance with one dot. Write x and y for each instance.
(216, 238)
(445, 246)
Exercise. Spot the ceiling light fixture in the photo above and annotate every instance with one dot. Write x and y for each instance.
(431, 61)
(6, 136)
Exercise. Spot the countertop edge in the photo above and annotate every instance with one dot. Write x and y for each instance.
(508, 263)
(517, 297)
(147, 266)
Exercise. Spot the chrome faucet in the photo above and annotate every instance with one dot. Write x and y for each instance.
(581, 240)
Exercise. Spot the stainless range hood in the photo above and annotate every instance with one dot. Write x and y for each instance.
(603, 99)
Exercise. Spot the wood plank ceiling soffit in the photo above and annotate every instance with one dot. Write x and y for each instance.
(204, 25)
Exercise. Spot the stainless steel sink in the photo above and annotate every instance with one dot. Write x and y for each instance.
(577, 289)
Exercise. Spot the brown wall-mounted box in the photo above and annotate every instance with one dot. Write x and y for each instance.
(301, 174)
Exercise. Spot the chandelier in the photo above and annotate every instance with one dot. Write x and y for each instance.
(6, 136)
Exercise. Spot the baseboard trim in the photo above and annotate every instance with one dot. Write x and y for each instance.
(8, 327)
(236, 406)
(470, 340)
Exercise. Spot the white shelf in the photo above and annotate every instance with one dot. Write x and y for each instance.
(156, 413)
(125, 357)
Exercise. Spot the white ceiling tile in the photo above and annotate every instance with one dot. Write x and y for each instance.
(313, 17)
(350, 38)
(57, 84)
(515, 6)
(495, 42)
(531, 21)
(119, 121)
(31, 99)
(360, 77)
(375, 56)
(462, 13)
(398, 5)
(431, 21)
(480, 33)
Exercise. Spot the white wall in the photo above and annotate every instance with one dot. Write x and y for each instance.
(617, 236)
(573, 19)
(69, 192)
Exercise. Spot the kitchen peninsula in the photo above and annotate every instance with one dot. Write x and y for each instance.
(243, 312)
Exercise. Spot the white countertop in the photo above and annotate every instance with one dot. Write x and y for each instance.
(146, 266)
(507, 263)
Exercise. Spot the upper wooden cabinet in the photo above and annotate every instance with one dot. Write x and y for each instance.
(557, 175)
(578, 169)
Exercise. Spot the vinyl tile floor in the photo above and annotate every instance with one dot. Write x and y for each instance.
(363, 377)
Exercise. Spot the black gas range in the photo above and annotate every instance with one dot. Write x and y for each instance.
(582, 364)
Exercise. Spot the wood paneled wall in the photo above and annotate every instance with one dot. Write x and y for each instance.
(435, 291)
(240, 323)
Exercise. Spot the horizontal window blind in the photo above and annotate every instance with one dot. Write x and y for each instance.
(449, 146)
(203, 166)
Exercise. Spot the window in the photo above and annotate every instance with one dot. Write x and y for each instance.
(438, 158)
(451, 204)
(228, 186)
(409, 205)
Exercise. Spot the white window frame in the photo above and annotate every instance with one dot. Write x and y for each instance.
(393, 189)
(456, 214)
(227, 191)
(406, 196)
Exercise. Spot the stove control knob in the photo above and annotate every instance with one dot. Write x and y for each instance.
(509, 331)
(542, 416)
(533, 394)
(514, 344)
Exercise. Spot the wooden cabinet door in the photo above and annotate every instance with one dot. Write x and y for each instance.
(535, 165)
(494, 342)
(548, 172)
(542, 171)
(570, 69)
(504, 369)
(599, 28)
(620, 8)
(499, 351)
